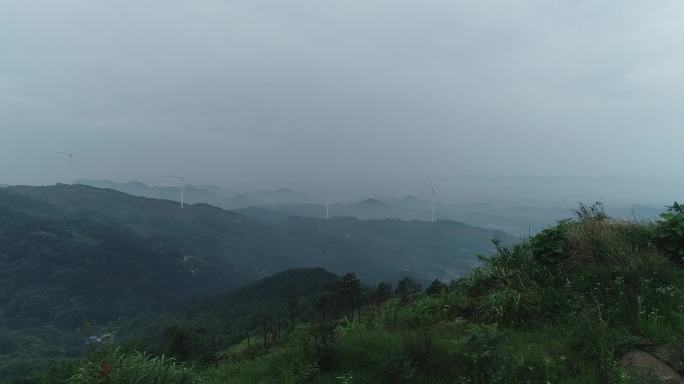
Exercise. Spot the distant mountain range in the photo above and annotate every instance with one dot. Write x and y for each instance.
(91, 245)
(519, 221)
(283, 203)
(73, 254)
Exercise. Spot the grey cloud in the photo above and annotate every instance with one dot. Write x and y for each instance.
(364, 95)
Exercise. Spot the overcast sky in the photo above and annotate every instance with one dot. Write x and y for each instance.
(362, 96)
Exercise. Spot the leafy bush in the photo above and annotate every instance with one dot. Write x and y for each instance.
(669, 233)
(512, 287)
(550, 246)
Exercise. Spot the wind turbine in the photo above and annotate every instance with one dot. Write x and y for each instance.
(182, 188)
(434, 201)
(327, 204)
(285, 202)
(70, 158)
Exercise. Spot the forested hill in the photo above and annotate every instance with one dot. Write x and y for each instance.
(224, 320)
(58, 268)
(205, 234)
(75, 252)
(71, 254)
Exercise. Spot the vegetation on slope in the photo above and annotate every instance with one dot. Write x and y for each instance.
(376, 249)
(198, 331)
(72, 256)
(561, 308)
(58, 273)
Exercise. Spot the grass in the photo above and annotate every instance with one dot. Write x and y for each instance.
(119, 367)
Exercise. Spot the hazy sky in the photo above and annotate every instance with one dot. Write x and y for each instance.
(368, 95)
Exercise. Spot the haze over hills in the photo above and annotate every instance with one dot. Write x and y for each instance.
(72, 253)
(64, 258)
(518, 220)
(365, 192)
(208, 194)
(77, 258)
(81, 234)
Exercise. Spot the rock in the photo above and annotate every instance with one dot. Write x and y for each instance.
(647, 362)
(670, 354)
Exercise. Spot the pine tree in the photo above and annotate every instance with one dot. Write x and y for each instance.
(348, 292)
(382, 293)
(436, 287)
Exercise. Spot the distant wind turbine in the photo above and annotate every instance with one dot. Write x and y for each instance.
(327, 204)
(70, 159)
(434, 201)
(181, 179)
(285, 202)
(69, 156)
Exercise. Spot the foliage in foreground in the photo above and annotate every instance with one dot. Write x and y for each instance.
(119, 367)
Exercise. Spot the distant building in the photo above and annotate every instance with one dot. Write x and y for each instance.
(106, 338)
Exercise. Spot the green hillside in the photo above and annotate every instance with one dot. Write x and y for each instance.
(199, 330)
(207, 325)
(60, 269)
(378, 249)
(73, 256)
(591, 300)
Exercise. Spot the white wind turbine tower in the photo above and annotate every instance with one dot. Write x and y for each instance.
(285, 192)
(434, 201)
(70, 159)
(181, 179)
(327, 204)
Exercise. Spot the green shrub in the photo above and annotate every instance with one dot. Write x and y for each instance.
(55, 374)
(280, 366)
(669, 234)
(512, 287)
(475, 355)
(550, 246)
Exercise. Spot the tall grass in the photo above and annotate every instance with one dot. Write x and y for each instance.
(120, 367)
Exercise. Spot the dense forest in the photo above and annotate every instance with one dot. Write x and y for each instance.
(591, 300)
